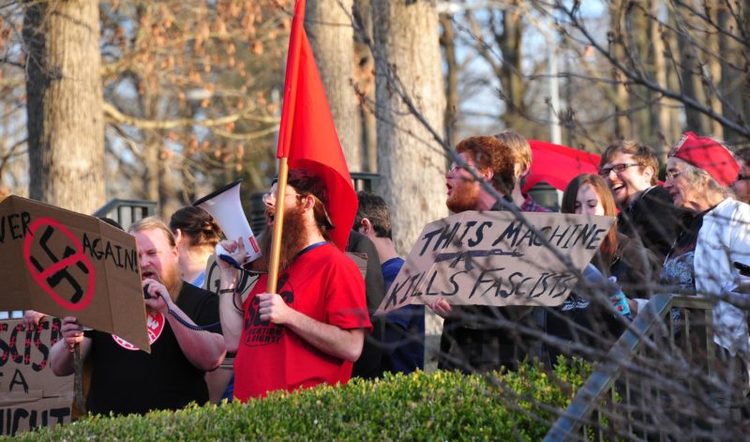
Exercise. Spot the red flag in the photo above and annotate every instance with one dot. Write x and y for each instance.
(307, 135)
(558, 165)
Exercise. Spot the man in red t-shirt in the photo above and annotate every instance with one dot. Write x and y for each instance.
(312, 329)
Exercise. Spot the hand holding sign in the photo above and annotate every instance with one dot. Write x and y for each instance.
(72, 331)
(441, 307)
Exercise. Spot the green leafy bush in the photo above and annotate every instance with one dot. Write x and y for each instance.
(441, 405)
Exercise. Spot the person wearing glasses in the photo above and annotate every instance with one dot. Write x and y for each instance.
(472, 340)
(741, 186)
(313, 328)
(702, 260)
(646, 210)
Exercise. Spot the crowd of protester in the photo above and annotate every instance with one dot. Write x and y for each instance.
(318, 325)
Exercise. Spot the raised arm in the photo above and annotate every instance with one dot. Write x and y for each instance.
(230, 303)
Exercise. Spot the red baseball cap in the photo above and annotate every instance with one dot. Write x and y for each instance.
(707, 154)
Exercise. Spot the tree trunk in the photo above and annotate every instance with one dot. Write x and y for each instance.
(448, 42)
(64, 104)
(690, 79)
(731, 80)
(713, 83)
(169, 199)
(329, 28)
(411, 162)
(513, 85)
(640, 96)
(620, 102)
(364, 80)
(660, 75)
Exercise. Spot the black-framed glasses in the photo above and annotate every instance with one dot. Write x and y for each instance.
(604, 171)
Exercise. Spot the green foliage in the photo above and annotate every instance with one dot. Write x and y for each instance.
(441, 405)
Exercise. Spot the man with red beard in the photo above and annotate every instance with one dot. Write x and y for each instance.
(472, 340)
(125, 380)
(312, 329)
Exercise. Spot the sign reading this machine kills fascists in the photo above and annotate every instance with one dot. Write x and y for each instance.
(493, 258)
(64, 263)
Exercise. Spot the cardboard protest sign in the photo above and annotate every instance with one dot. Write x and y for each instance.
(492, 258)
(64, 263)
(30, 394)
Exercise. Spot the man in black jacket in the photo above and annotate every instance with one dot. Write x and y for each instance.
(646, 209)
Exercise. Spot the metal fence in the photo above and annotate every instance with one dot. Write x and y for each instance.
(127, 212)
(664, 379)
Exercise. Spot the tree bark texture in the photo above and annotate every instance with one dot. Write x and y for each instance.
(691, 80)
(514, 88)
(448, 42)
(663, 134)
(731, 81)
(329, 28)
(620, 96)
(64, 104)
(640, 97)
(364, 81)
(713, 70)
(410, 161)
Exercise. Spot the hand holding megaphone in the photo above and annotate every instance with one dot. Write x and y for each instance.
(224, 205)
(232, 253)
(230, 257)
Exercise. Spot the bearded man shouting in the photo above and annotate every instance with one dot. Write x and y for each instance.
(312, 329)
(126, 380)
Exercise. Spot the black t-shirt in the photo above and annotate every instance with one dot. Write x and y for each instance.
(132, 381)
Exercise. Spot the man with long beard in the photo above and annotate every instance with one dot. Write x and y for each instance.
(472, 340)
(125, 380)
(312, 329)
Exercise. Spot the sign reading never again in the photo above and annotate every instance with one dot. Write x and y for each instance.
(30, 394)
(492, 258)
(63, 263)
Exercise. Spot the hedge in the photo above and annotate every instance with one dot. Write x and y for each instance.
(440, 405)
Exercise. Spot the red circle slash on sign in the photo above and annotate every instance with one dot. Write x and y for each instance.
(41, 277)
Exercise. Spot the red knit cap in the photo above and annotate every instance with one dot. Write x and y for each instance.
(707, 154)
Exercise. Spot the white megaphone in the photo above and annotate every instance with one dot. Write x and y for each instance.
(225, 206)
